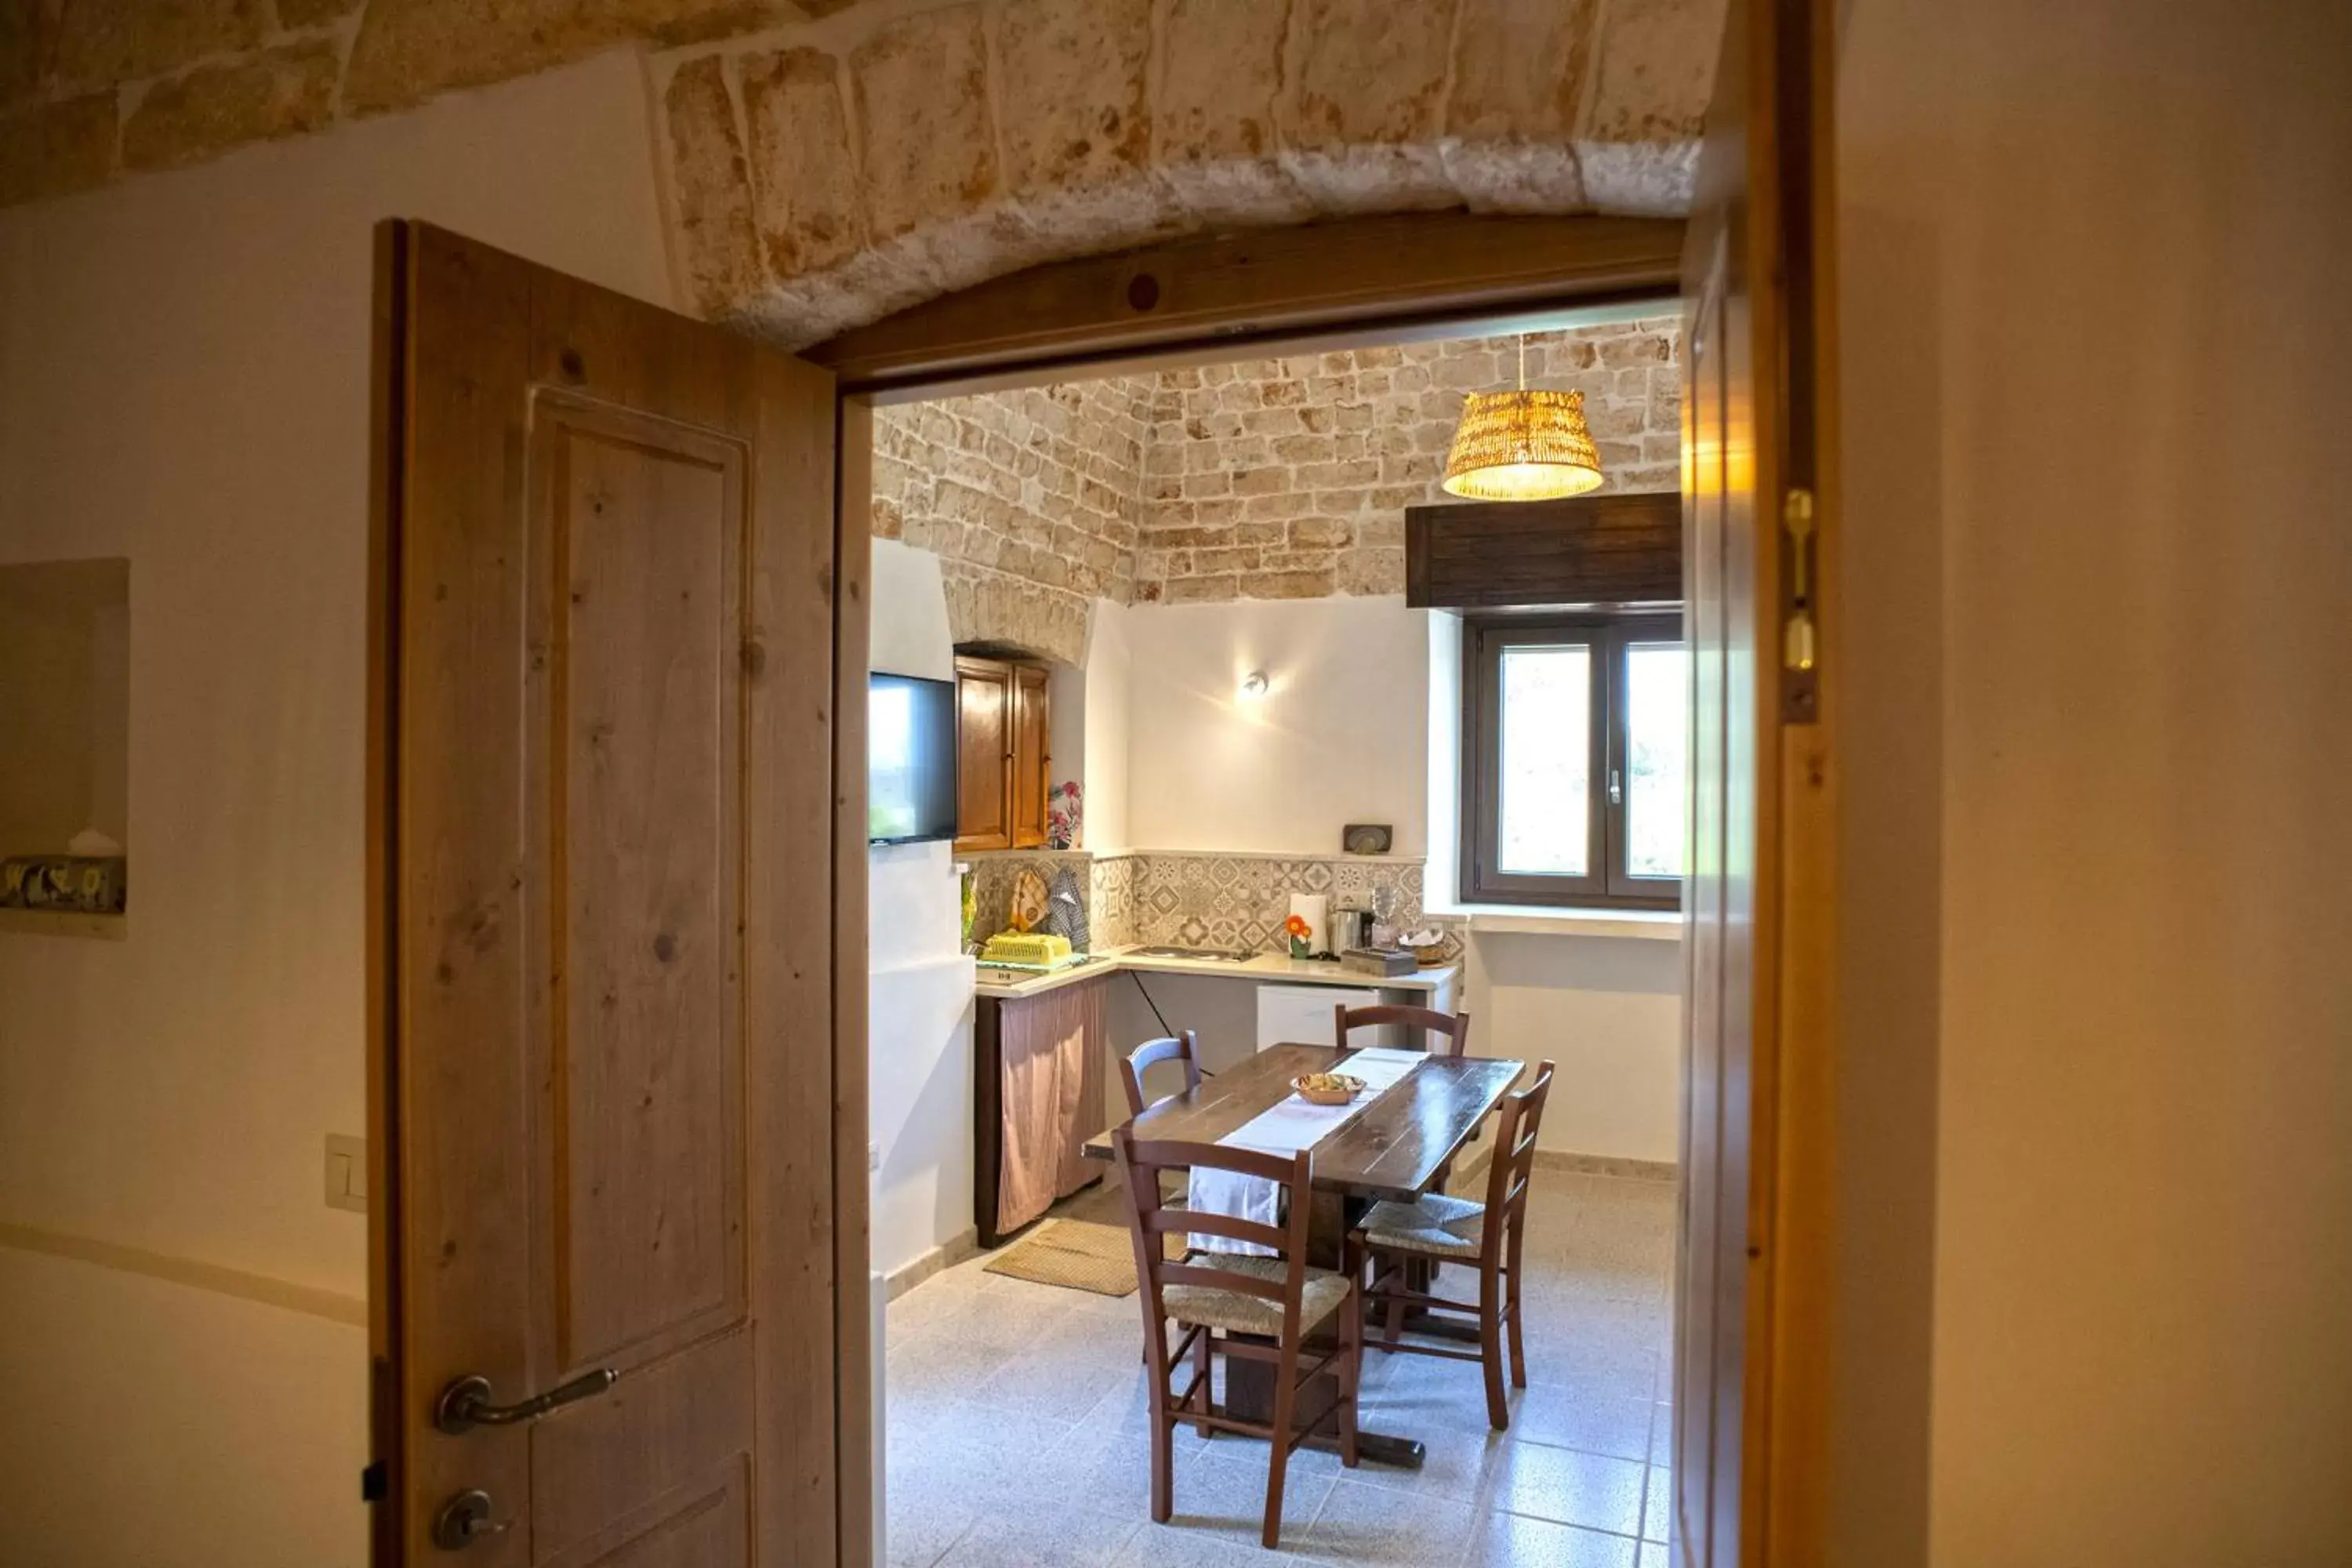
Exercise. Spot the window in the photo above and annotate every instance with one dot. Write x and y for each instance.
(1573, 759)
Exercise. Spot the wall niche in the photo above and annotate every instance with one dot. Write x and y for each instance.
(65, 729)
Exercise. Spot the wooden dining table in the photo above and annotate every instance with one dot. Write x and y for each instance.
(1400, 1146)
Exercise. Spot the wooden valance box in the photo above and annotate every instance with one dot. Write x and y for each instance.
(1601, 549)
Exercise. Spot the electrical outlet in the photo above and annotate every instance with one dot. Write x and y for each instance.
(346, 1172)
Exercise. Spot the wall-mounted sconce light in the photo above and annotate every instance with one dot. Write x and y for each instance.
(1255, 686)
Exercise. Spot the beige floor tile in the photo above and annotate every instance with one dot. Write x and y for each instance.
(1019, 1425)
(1179, 1546)
(1658, 1505)
(1413, 1396)
(1566, 1486)
(1515, 1541)
(1455, 1467)
(1655, 1554)
(1024, 1539)
(924, 1519)
(1584, 1417)
(1377, 1527)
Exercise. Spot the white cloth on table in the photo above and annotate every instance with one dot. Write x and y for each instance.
(1285, 1129)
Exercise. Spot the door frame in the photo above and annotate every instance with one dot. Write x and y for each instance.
(1303, 288)
(1299, 289)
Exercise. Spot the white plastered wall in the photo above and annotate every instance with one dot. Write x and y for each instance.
(185, 380)
(2097, 1070)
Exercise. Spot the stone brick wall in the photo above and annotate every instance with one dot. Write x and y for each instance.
(1030, 498)
(1289, 478)
(1269, 480)
(828, 161)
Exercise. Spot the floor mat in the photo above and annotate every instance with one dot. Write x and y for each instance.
(1077, 1255)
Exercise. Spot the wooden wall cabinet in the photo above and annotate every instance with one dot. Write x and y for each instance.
(1002, 766)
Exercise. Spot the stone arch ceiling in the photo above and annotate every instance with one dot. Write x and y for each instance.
(827, 162)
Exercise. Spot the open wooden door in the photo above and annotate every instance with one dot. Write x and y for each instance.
(1751, 1355)
(607, 1297)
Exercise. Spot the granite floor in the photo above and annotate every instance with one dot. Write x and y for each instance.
(1018, 1431)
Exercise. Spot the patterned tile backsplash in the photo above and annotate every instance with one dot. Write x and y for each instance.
(1208, 900)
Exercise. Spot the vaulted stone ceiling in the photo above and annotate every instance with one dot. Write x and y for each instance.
(829, 161)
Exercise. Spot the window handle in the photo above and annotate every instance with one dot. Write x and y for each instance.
(1616, 787)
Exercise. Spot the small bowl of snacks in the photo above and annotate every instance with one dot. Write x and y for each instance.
(1328, 1087)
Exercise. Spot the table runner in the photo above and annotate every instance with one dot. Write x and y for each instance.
(1285, 1129)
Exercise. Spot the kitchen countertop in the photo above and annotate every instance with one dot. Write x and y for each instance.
(1005, 985)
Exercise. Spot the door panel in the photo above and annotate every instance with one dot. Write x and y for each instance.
(700, 1522)
(1031, 742)
(1758, 422)
(984, 754)
(681, 1422)
(642, 599)
(610, 678)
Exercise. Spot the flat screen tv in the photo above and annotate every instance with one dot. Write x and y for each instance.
(910, 759)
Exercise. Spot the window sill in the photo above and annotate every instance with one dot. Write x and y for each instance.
(1518, 920)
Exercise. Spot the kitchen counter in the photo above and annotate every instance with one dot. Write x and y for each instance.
(1007, 983)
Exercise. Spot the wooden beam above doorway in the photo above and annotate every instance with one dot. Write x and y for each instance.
(1259, 286)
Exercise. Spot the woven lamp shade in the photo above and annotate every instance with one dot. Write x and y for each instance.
(1522, 445)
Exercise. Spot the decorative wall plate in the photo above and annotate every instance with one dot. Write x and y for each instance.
(1366, 838)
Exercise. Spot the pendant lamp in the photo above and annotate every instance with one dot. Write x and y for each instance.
(1522, 445)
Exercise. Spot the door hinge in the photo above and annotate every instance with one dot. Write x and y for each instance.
(373, 1483)
(1800, 637)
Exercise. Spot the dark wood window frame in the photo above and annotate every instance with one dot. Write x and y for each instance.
(1606, 884)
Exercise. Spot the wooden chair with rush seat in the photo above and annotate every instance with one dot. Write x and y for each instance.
(1244, 1307)
(1427, 1022)
(1401, 1240)
(1182, 1047)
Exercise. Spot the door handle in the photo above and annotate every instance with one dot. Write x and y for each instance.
(466, 1403)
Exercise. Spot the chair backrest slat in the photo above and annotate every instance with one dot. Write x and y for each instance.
(1184, 1047)
(1222, 1278)
(1169, 1154)
(1455, 1026)
(1257, 1232)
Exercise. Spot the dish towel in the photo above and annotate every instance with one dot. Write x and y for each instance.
(1285, 1130)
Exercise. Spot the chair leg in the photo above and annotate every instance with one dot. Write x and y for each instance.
(1490, 1346)
(1163, 1428)
(1202, 1379)
(1351, 1374)
(1277, 1463)
(1400, 1281)
(1518, 1316)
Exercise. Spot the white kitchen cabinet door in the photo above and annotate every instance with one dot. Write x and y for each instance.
(1301, 1015)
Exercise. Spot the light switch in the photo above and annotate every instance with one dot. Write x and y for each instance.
(346, 1172)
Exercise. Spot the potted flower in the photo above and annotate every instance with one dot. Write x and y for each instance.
(1298, 930)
